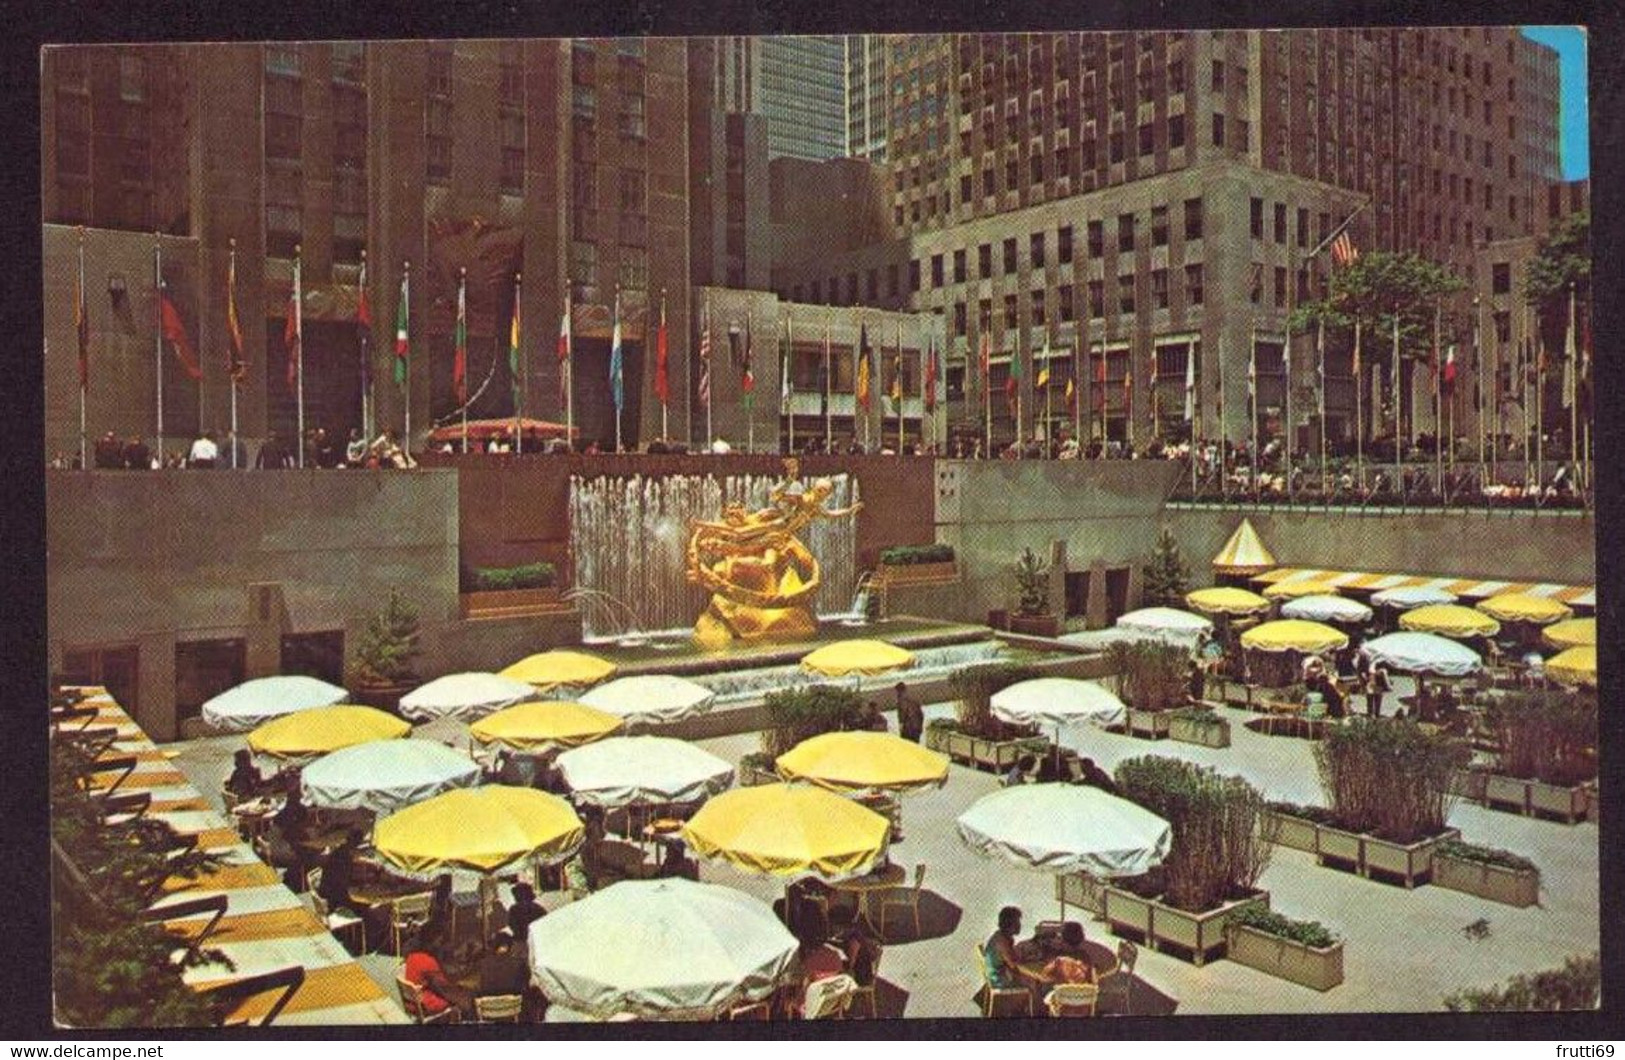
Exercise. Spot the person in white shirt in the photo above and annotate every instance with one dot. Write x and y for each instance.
(204, 451)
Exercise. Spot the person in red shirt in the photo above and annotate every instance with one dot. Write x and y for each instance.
(440, 992)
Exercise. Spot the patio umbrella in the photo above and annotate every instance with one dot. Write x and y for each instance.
(788, 830)
(650, 699)
(385, 775)
(660, 949)
(629, 769)
(864, 761)
(541, 725)
(1406, 597)
(480, 829)
(1573, 633)
(1244, 553)
(1294, 635)
(465, 696)
(1423, 653)
(1165, 620)
(485, 430)
(848, 657)
(322, 730)
(1057, 701)
(1066, 828)
(1577, 666)
(255, 702)
(1223, 600)
(1450, 620)
(551, 669)
(1522, 607)
(1327, 609)
(1293, 589)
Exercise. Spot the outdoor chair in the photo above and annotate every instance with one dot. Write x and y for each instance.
(237, 991)
(907, 896)
(498, 1008)
(1127, 954)
(1072, 999)
(993, 994)
(828, 999)
(409, 914)
(214, 903)
(412, 1002)
(340, 924)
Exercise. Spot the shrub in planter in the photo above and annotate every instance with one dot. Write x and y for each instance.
(914, 555)
(974, 686)
(1311, 933)
(1547, 736)
(1032, 584)
(797, 714)
(1216, 854)
(387, 645)
(1575, 986)
(1317, 814)
(1504, 859)
(1150, 674)
(1199, 725)
(1389, 777)
(502, 579)
(1300, 951)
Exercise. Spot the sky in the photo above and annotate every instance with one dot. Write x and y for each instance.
(1574, 136)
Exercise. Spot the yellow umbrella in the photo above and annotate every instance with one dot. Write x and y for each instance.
(1521, 607)
(1226, 601)
(1450, 620)
(1293, 634)
(856, 657)
(1294, 589)
(1577, 666)
(553, 668)
(321, 730)
(1244, 553)
(864, 761)
(1574, 633)
(541, 725)
(787, 830)
(483, 829)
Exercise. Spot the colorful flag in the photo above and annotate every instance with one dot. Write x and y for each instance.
(1190, 384)
(175, 332)
(236, 366)
(747, 373)
(616, 361)
(459, 361)
(784, 369)
(897, 378)
(1071, 396)
(564, 353)
(293, 329)
(862, 386)
(705, 358)
(662, 370)
(1571, 357)
(401, 340)
(81, 322)
(513, 352)
(1252, 379)
(363, 325)
(931, 370)
(1344, 252)
(1449, 376)
(1012, 383)
(1042, 379)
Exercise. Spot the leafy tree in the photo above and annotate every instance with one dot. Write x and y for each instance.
(1167, 578)
(1576, 985)
(1562, 259)
(797, 714)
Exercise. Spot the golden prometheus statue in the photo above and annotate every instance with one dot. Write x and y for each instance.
(761, 578)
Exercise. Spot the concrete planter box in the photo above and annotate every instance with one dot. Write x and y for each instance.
(1497, 883)
(1469, 784)
(507, 601)
(383, 697)
(1284, 830)
(1036, 625)
(1593, 803)
(1408, 863)
(1204, 732)
(1150, 724)
(1318, 969)
(1202, 935)
(919, 573)
(1082, 890)
(1534, 798)
(995, 755)
(936, 738)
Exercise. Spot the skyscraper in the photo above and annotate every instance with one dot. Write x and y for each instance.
(796, 83)
(866, 96)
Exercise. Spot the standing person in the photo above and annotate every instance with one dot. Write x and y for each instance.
(204, 452)
(524, 910)
(1376, 685)
(273, 455)
(910, 715)
(1196, 682)
(355, 450)
(108, 454)
(136, 456)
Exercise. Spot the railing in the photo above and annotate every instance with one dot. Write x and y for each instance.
(1384, 486)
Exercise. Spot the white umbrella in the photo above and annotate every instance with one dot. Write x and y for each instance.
(386, 775)
(1326, 609)
(466, 696)
(1408, 596)
(1165, 620)
(628, 769)
(252, 703)
(1065, 828)
(660, 949)
(650, 699)
(1057, 701)
(1423, 653)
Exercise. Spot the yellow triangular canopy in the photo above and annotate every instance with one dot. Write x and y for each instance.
(1522, 607)
(1574, 633)
(1244, 553)
(1450, 620)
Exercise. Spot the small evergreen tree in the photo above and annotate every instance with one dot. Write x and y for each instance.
(1167, 578)
(388, 644)
(1032, 582)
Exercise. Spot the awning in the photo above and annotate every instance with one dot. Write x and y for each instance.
(1467, 588)
(1244, 553)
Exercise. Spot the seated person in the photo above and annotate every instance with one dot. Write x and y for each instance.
(524, 911)
(1095, 777)
(675, 863)
(1071, 961)
(502, 970)
(1021, 771)
(439, 991)
(293, 819)
(859, 946)
(245, 781)
(1004, 969)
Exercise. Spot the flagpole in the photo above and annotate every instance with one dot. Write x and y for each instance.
(406, 374)
(784, 383)
(1526, 350)
(569, 373)
(665, 402)
(1572, 367)
(1320, 359)
(616, 384)
(750, 395)
(517, 383)
(829, 373)
(1359, 410)
(1398, 403)
(232, 295)
(299, 350)
(1478, 380)
(987, 396)
(81, 331)
(461, 353)
(158, 334)
(1077, 390)
(902, 391)
(707, 370)
(1193, 405)
(1255, 465)
(1224, 427)
(1286, 361)
(366, 377)
(1498, 399)
(1540, 411)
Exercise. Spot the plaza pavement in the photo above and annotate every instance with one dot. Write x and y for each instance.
(1405, 951)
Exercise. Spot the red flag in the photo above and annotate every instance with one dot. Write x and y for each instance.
(1344, 252)
(459, 362)
(236, 367)
(291, 338)
(564, 353)
(1450, 370)
(81, 324)
(662, 380)
(175, 332)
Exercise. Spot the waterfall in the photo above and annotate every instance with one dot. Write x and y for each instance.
(628, 537)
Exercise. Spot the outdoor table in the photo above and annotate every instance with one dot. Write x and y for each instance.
(822, 963)
(881, 879)
(663, 832)
(623, 859)
(254, 816)
(384, 891)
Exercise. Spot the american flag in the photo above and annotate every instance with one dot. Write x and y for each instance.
(705, 358)
(1344, 252)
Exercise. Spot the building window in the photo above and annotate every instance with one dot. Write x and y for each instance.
(891, 280)
(283, 117)
(984, 315)
(1193, 219)
(1012, 174)
(349, 214)
(1097, 238)
(965, 191)
(512, 177)
(1036, 249)
(1125, 293)
(1148, 139)
(1159, 288)
(1280, 285)
(936, 270)
(1063, 245)
(631, 117)
(1114, 146)
(1097, 299)
(1063, 302)
(633, 188)
(913, 278)
(1012, 312)
(1280, 223)
(1501, 278)
(1303, 227)
(1037, 299)
(132, 77)
(584, 102)
(1125, 233)
(583, 200)
(1255, 221)
(583, 266)
(1009, 256)
(437, 139)
(1036, 166)
(1218, 130)
(871, 286)
(984, 260)
(1176, 75)
(1193, 285)
(439, 70)
(1159, 226)
(1176, 131)
(350, 62)
(959, 318)
(284, 219)
(1218, 75)
(959, 265)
